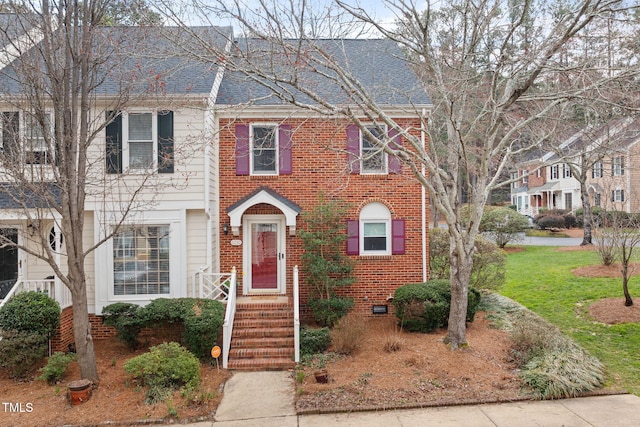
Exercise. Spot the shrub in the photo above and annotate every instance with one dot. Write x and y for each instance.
(503, 225)
(56, 366)
(562, 373)
(32, 312)
(314, 340)
(489, 261)
(550, 363)
(201, 320)
(348, 334)
(548, 222)
(327, 312)
(164, 368)
(125, 318)
(202, 324)
(423, 307)
(21, 351)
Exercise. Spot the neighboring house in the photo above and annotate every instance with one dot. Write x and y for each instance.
(234, 170)
(614, 182)
(547, 181)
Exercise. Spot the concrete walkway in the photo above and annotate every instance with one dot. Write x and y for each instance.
(266, 399)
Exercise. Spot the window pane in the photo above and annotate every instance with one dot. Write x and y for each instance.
(264, 149)
(140, 155)
(375, 243)
(372, 229)
(138, 266)
(140, 127)
(373, 158)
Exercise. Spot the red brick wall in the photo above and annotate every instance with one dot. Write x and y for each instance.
(64, 335)
(320, 164)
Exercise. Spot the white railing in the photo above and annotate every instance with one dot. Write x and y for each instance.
(214, 286)
(46, 286)
(229, 316)
(296, 315)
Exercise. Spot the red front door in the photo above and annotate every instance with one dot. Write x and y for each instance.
(264, 255)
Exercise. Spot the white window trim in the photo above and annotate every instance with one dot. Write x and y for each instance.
(25, 118)
(554, 172)
(598, 169)
(618, 195)
(276, 171)
(125, 140)
(385, 158)
(378, 213)
(618, 166)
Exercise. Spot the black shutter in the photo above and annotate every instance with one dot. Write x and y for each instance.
(113, 144)
(10, 132)
(165, 142)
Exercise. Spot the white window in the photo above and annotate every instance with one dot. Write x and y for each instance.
(597, 200)
(514, 177)
(617, 196)
(141, 136)
(35, 139)
(539, 173)
(568, 201)
(525, 176)
(566, 171)
(264, 149)
(617, 166)
(141, 260)
(374, 159)
(597, 170)
(554, 172)
(375, 230)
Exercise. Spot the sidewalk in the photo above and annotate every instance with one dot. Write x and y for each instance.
(266, 399)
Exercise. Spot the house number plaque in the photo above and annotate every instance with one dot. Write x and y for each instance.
(236, 242)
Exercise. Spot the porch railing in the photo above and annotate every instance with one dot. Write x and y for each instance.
(214, 286)
(296, 315)
(229, 316)
(47, 286)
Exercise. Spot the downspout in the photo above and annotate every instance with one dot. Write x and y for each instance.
(425, 272)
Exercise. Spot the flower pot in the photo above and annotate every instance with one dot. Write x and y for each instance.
(79, 391)
(322, 376)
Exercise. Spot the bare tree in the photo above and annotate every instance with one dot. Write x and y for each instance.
(63, 80)
(490, 69)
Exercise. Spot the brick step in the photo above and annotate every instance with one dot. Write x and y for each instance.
(262, 364)
(263, 323)
(261, 332)
(264, 306)
(258, 314)
(261, 353)
(263, 342)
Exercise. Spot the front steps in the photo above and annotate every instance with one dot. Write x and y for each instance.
(263, 337)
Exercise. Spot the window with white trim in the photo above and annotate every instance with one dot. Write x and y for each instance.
(375, 230)
(617, 195)
(35, 139)
(264, 149)
(141, 137)
(525, 176)
(554, 172)
(374, 159)
(566, 171)
(141, 260)
(597, 170)
(617, 166)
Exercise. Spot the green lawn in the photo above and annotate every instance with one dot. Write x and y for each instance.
(540, 278)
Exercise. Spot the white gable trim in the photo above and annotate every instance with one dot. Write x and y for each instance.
(262, 196)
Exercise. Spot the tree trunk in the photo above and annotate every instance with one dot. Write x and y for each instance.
(628, 302)
(587, 226)
(460, 274)
(82, 333)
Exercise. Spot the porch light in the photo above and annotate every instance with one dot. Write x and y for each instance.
(225, 228)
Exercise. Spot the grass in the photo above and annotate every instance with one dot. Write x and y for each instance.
(540, 278)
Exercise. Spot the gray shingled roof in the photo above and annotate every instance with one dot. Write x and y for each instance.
(11, 27)
(13, 196)
(146, 60)
(378, 65)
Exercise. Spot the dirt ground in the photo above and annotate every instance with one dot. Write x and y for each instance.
(116, 400)
(422, 372)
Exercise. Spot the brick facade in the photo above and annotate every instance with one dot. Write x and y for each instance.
(64, 335)
(319, 164)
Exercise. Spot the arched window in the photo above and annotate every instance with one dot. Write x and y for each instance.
(375, 230)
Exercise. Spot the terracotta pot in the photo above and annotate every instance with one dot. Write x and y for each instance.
(322, 376)
(79, 391)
